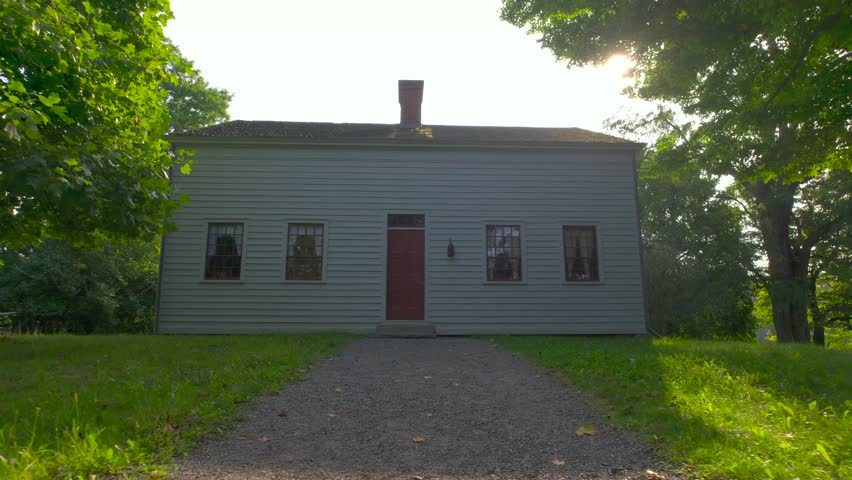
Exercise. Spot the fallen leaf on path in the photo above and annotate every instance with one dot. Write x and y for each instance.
(263, 439)
(556, 461)
(419, 440)
(338, 390)
(282, 413)
(652, 475)
(587, 430)
(169, 428)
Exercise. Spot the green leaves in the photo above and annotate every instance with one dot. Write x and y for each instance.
(192, 102)
(83, 118)
(50, 101)
(767, 84)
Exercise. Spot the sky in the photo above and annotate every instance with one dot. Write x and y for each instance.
(340, 60)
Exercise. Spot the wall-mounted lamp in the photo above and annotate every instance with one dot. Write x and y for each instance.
(451, 250)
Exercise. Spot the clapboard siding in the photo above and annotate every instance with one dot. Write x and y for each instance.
(353, 190)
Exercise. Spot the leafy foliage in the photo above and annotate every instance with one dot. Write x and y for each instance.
(83, 116)
(59, 288)
(192, 102)
(87, 89)
(767, 84)
(697, 259)
(830, 275)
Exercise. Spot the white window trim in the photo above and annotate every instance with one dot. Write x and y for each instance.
(205, 230)
(598, 243)
(483, 248)
(324, 223)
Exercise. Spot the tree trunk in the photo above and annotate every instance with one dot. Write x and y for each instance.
(788, 265)
(817, 317)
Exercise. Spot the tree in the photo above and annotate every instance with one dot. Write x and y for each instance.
(830, 272)
(57, 287)
(191, 101)
(768, 84)
(87, 89)
(698, 259)
(83, 116)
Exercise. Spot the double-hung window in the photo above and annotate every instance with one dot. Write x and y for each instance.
(503, 253)
(580, 247)
(305, 252)
(223, 259)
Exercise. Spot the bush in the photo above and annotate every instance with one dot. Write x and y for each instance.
(59, 288)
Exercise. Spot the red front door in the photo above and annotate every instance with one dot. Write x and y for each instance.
(406, 274)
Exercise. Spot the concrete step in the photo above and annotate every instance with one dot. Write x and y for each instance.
(405, 329)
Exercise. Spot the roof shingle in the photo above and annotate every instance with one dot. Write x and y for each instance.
(392, 133)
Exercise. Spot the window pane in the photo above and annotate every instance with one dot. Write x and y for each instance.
(224, 251)
(504, 269)
(503, 252)
(304, 268)
(406, 221)
(304, 251)
(581, 255)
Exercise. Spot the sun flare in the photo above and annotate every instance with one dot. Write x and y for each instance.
(619, 65)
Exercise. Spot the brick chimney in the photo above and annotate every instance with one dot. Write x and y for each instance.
(410, 98)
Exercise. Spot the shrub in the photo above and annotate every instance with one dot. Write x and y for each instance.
(59, 288)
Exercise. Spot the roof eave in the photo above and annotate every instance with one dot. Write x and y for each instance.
(204, 139)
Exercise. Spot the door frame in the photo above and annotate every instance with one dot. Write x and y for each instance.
(383, 316)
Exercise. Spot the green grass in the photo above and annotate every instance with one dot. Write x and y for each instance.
(85, 407)
(723, 409)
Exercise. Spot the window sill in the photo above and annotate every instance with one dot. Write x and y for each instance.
(222, 282)
(304, 282)
(599, 282)
(492, 282)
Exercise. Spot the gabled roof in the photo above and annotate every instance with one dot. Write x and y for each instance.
(393, 134)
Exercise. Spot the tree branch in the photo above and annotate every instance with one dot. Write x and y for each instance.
(821, 232)
(798, 64)
(733, 198)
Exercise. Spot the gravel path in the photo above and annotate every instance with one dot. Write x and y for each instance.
(447, 408)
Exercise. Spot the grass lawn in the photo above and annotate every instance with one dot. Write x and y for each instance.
(75, 407)
(724, 409)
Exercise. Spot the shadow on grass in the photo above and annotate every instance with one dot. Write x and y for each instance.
(801, 372)
(737, 410)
